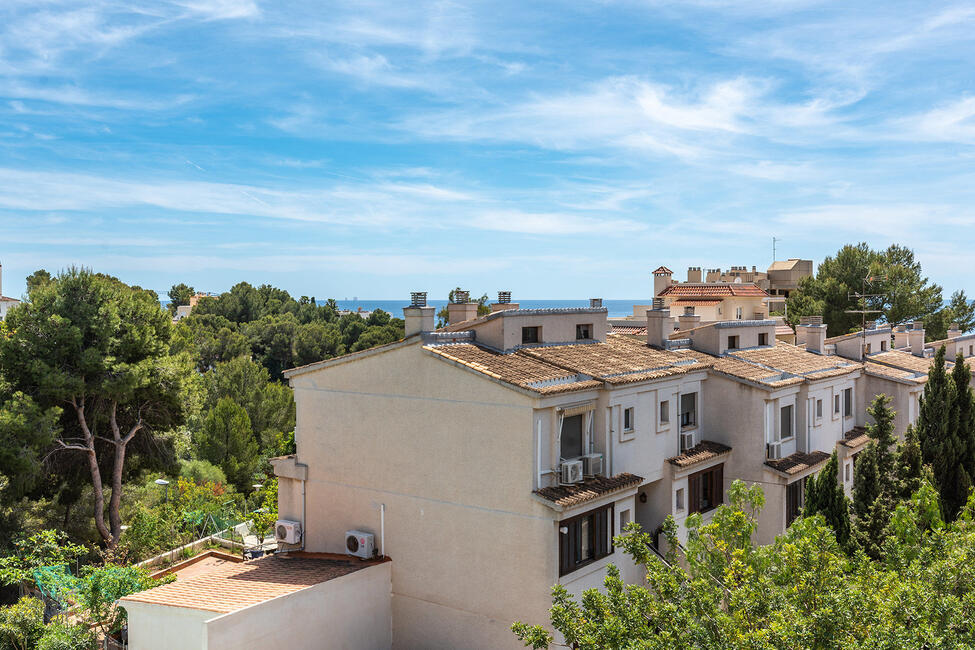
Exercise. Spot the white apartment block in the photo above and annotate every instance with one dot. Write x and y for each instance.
(6, 303)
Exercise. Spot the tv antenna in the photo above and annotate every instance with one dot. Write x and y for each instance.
(863, 311)
(774, 240)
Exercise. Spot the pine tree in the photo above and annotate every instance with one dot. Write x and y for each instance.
(874, 479)
(964, 412)
(882, 431)
(909, 470)
(226, 440)
(824, 495)
(944, 446)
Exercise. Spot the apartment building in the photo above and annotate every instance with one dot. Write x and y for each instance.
(499, 455)
(5, 303)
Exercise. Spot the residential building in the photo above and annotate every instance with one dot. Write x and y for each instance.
(5, 303)
(182, 311)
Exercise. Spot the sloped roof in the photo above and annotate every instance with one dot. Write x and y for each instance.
(719, 290)
(699, 453)
(630, 329)
(8, 299)
(231, 587)
(696, 302)
(798, 462)
(786, 265)
(663, 270)
(855, 437)
(906, 361)
(566, 496)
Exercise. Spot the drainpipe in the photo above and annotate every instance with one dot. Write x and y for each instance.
(382, 530)
(304, 517)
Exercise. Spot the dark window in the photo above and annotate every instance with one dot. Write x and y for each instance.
(688, 410)
(795, 494)
(836, 404)
(762, 338)
(529, 335)
(572, 437)
(583, 332)
(628, 419)
(785, 430)
(847, 402)
(732, 342)
(706, 489)
(585, 539)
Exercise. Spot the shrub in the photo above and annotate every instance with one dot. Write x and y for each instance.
(61, 636)
(201, 472)
(21, 624)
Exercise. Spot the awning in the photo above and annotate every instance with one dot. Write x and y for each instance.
(577, 410)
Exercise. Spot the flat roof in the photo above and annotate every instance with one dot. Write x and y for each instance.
(234, 586)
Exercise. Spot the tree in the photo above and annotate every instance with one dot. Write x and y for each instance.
(226, 440)
(825, 496)
(959, 310)
(963, 413)
(98, 349)
(45, 548)
(37, 279)
(943, 445)
(909, 469)
(179, 295)
(874, 479)
(22, 624)
(904, 293)
(270, 405)
(26, 432)
(443, 314)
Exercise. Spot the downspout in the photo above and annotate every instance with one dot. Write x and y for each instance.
(382, 530)
(304, 517)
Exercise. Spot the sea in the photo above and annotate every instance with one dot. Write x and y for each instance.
(616, 308)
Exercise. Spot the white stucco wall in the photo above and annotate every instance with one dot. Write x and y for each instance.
(159, 627)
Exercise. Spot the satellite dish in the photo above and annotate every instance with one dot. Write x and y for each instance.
(738, 279)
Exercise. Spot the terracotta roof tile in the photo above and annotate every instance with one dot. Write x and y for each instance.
(630, 330)
(855, 437)
(905, 361)
(785, 358)
(591, 489)
(718, 290)
(702, 451)
(663, 270)
(231, 587)
(889, 372)
(696, 302)
(798, 462)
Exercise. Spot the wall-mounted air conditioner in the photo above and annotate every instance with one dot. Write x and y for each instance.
(571, 472)
(592, 465)
(360, 544)
(287, 531)
(773, 450)
(686, 441)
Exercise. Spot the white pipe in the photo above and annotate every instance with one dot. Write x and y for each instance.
(304, 517)
(538, 452)
(382, 530)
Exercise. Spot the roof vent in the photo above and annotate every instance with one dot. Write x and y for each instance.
(658, 303)
(461, 297)
(811, 320)
(595, 303)
(418, 298)
(504, 297)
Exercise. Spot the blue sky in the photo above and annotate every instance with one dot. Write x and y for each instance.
(556, 150)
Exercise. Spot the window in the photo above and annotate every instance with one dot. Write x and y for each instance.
(585, 539)
(883, 346)
(763, 338)
(705, 489)
(847, 402)
(664, 412)
(679, 500)
(628, 419)
(529, 334)
(688, 410)
(732, 342)
(836, 404)
(847, 469)
(624, 520)
(572, 438)
(970, 350)
(868, 348)
(795, 498)
(739, 313)
(819, 408)
(583, 332)
(785, 422)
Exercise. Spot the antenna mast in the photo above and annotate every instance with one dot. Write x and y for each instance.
(862, 296)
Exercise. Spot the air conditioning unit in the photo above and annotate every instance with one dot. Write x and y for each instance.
(773, 450)
(360, 544)
(592, 465)
(686, 441)
(287, 531)
(571, 472)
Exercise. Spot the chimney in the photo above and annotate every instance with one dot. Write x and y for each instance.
(688, 321)
(915, 337)
(694, 274)
(659, 326)
(461, 308)
(419, 318)
(661, 280)
(504, 302)
(595, 303)
(954, 331)
(812, 331)
(901, 337)
(713, 275)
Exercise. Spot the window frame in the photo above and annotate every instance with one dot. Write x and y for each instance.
(795, 500)
(792, 422)
(680, 503)
(663, 405)
(709, 479)
(848, 402)
(733, 342)
(763, 338)
(629, 419)
(739, 313)
(587, 331)
(819, 408)
(537, 334)
(692, 421)
(582, 436)
(599, 522)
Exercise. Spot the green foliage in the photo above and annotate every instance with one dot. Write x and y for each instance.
(802, 591)
(179, 295)
(959, 310)
(201, 471)
(37, 279)
(21, 624)
(266, 514)
(947, 444)
(226, 440)
(904, 293)
(43, 549)
(443, 314)
(26, 431)
(824, 496)
(269, 405)
(100, 588)
(63, 636)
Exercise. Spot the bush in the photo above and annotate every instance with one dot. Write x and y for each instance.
(21, 624)
(201, 471)
(61, 636)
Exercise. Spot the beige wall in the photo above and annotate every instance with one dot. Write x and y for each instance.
(451, 454)
(350, 612)
(726, 310)
(504, 332)
(903, 399)
(158, 627)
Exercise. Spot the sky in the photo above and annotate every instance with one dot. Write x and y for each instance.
(556, 150)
